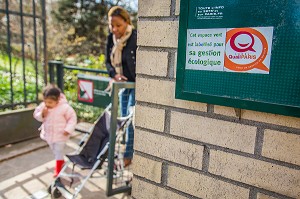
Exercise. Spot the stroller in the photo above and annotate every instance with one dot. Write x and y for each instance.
(91, 154)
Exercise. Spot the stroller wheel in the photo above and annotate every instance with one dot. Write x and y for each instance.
(55, 193)
(49, 189)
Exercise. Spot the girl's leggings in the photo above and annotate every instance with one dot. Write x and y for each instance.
(58, 150)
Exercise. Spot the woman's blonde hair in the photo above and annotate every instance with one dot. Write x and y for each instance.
(120, 12)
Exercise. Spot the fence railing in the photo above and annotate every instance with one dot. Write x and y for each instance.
(56, 72)
(115, 186)
(18, 93)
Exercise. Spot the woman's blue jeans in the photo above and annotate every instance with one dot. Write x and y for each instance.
(127, 100)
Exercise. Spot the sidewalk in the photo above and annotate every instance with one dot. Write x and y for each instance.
(26, 171)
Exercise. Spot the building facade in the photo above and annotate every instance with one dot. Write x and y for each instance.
(195, 150)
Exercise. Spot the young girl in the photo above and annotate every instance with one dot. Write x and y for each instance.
(58, 122)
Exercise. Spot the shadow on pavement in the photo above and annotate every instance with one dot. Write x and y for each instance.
(28, 175)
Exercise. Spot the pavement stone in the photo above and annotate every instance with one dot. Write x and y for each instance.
(13, 150)
(26, 170)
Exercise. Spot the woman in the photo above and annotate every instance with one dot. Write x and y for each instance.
(121, 63)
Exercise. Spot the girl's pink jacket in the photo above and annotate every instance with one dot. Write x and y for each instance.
(59, 119)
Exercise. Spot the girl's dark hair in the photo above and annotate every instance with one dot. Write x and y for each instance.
(51, 92)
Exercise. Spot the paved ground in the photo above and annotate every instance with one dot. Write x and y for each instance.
(26, 171)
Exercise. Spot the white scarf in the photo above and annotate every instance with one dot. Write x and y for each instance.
(116, 53)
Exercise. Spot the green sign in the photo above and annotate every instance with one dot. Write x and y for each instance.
(92, 90)
(242, 53)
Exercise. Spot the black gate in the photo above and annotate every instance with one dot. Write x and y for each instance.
(23, 52)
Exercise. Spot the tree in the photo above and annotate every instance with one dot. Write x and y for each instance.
(86, 22)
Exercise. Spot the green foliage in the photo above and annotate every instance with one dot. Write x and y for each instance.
(85, 26)
(87, 61)
(4, 88)
(84, 112)
(76, 34)
(17, 88)
(16, 79)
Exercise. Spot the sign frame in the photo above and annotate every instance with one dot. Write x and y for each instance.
(181, 93)
(90, 99)
(96, 85)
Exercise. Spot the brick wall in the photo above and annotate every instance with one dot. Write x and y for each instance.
(194, 150)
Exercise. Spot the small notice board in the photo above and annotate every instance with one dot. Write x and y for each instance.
(92, 90)
(243, 54)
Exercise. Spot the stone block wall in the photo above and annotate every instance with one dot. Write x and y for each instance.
(194, 150)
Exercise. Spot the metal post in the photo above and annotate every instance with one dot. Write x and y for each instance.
(112, 137)
(60, 75)
(51, 72)
(23, 52)
(44, 38)
(9, 54)
(35, 50)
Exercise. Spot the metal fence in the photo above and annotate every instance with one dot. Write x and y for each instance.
(118, 180)
(57, 71)
(23, 51)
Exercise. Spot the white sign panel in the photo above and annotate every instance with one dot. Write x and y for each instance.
(205, 49)
(85, 91)
(230, 49)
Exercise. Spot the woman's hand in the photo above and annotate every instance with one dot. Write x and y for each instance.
(120, 78)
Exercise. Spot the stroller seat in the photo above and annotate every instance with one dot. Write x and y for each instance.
(96, 142)
(81, 161)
